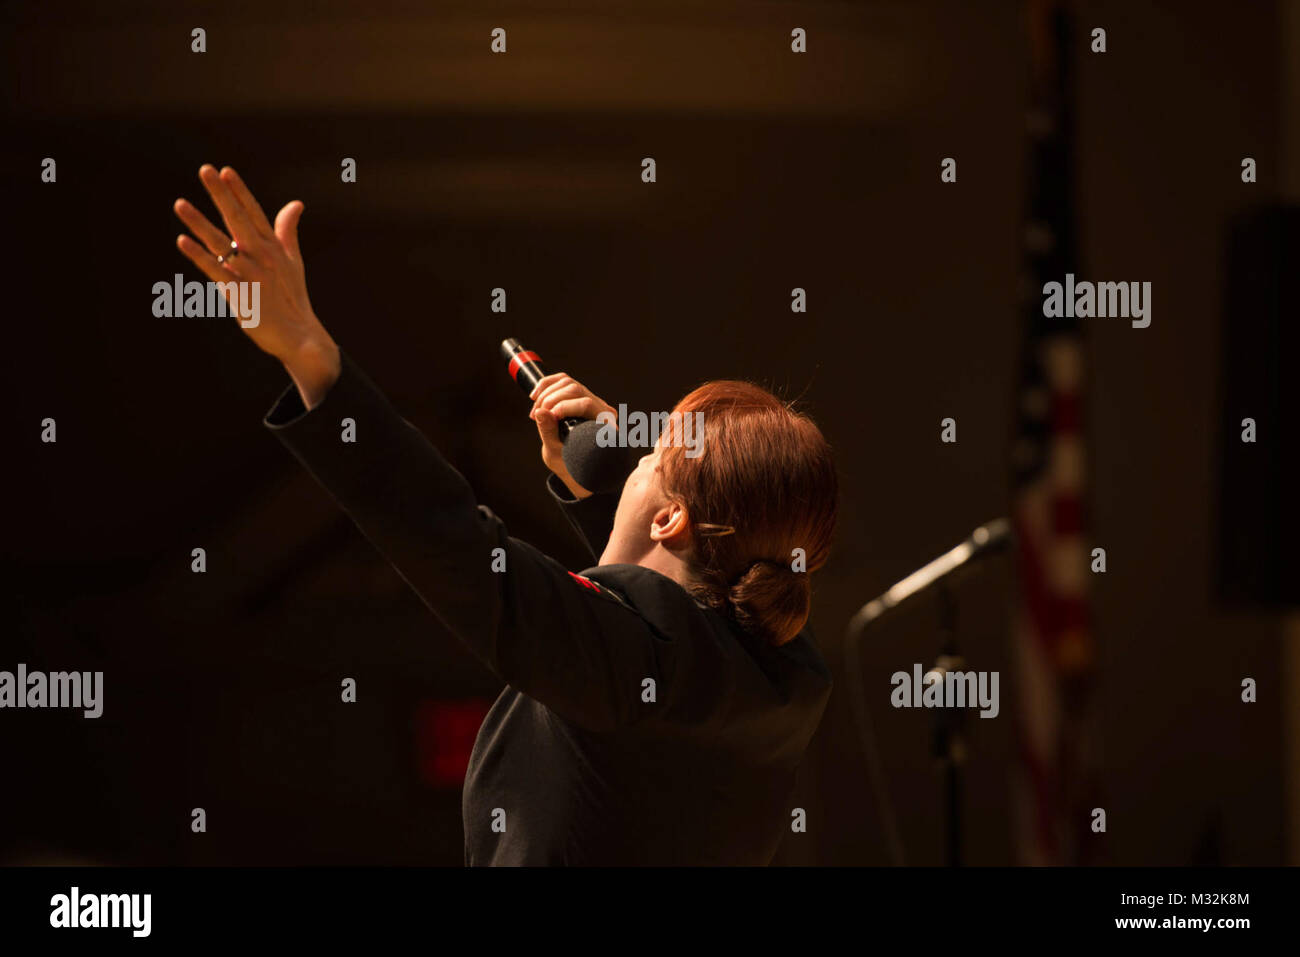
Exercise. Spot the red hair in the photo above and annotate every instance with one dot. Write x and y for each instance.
(766, 471)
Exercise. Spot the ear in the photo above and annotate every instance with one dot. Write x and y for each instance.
(671, 526)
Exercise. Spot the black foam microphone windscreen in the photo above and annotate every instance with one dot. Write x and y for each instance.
(595, 467)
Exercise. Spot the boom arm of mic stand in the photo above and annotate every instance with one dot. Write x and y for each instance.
(983, 541)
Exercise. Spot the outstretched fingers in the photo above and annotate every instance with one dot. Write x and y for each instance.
(217, 242)
(248, 201)
(238, 221)
(204, 260)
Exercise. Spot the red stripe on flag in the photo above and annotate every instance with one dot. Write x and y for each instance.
(1067, 515)
(1067, 413)
(1040, 786)
(1051, 614)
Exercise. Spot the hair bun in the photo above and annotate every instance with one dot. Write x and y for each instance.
(771, 600)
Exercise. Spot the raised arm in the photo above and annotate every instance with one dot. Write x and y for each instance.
(577, 649)
(565, 642)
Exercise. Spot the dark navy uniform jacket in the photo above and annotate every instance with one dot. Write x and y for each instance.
(637, 725)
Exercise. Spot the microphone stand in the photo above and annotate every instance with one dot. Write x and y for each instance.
(949, 743)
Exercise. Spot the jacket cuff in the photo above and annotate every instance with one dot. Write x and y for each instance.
(568, 501)
(591, 517)
(288, 412)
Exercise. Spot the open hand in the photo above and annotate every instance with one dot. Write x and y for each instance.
(287, 327)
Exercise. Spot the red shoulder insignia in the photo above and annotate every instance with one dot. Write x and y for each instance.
(599, 589)
(585, 582)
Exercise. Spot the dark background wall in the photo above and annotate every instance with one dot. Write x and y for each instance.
(522, 171)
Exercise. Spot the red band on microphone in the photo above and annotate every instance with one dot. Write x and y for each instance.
(519, 359)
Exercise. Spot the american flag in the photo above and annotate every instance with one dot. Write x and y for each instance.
(1052, 645)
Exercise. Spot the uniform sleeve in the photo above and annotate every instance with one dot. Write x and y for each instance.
(591, 517)
(577, 649)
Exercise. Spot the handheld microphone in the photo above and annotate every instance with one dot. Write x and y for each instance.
(525, 367)
(596, 467)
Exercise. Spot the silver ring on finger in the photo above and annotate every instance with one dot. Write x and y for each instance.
(230, 253)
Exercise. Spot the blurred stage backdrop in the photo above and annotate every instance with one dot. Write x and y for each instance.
(775, 170)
